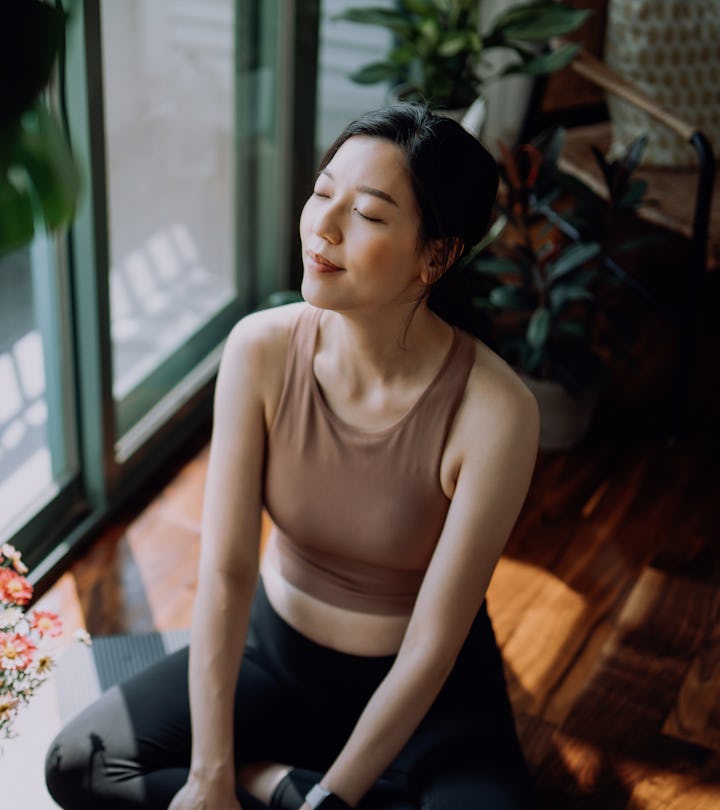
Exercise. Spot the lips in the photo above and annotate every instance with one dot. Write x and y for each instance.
(321, 264)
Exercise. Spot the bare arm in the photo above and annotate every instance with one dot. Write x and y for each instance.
(491, 487)
(228, 570)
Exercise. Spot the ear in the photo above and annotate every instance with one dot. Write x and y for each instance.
(439, 256)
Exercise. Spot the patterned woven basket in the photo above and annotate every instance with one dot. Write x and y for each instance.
(670, 49)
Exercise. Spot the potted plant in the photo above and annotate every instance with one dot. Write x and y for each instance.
(546, 276)
(439, 54)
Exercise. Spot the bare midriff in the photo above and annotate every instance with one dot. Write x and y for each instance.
(341, 629)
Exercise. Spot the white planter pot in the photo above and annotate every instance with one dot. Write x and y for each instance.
(564, 420)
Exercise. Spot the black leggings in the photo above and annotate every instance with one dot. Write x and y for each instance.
(296, 703)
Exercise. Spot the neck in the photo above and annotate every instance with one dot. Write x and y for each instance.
(384, 346)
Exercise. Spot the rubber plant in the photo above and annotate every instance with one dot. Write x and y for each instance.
(545, 272)
(438, 53)
(39, 182)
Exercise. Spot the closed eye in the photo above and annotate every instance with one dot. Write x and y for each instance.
(369, 219)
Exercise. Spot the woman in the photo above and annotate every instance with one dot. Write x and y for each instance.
(393, 452)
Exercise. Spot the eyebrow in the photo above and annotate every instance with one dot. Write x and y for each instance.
(375, 192)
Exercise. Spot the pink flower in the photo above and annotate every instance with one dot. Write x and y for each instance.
(46, 623)
(14, 588)
(16, 651)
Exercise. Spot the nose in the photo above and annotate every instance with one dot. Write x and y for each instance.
(326, 224)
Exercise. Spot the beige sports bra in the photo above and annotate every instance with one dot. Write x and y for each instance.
(358, 514)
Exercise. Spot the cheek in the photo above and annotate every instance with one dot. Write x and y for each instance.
(304, 218)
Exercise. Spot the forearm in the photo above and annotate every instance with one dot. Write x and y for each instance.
(387, 723)
(219, 631)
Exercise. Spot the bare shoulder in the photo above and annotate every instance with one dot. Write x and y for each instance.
(256, 349)
(497, 405)
(265, 333)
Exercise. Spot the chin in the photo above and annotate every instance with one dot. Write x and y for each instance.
(320, 298)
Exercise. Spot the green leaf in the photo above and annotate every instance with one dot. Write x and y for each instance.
(421, 7)
(539, 22)
(393, 20)
(376, 72)
(430, 30)
(43, 152)
(571, 258)
(538, 328)
(634, 194)
(518, 13)
(563, 294)
(645, 240)
(16, 217)
(544, 63)
(571, 329)
(403, 55)
(493, 233)
(453, 45)
(513, 298)
(496, 266)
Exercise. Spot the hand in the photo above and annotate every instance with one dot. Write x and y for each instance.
(196, 796)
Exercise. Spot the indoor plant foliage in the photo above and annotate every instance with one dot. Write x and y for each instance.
(439, 53)
(545, 284)
(39, 181)
(24, 664)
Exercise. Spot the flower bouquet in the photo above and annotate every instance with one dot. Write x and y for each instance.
(24, 664)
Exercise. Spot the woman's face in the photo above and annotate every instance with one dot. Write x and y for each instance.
(359, 230)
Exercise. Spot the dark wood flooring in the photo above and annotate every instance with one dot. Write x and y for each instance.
(606, 602)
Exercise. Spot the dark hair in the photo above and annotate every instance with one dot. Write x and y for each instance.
(455, 182)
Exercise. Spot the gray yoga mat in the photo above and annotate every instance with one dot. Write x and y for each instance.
(85, 672)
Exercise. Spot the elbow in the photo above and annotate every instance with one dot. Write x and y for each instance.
(431, 662)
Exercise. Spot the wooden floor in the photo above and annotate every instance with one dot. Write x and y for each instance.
(606, 602)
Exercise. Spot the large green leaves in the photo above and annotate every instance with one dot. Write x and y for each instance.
(376, 72)
(572, 258)
(496, 266)
(38, 178)
(538, 329)
(16, 217)
(439, 50)
(543, 63)
(45, 154)
(393, 20)
(513, 297)
(537, 22)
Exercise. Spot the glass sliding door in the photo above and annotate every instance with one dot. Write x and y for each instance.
(169, 103)
(38, 452)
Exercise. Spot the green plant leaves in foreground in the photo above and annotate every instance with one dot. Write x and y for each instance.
(39, 180)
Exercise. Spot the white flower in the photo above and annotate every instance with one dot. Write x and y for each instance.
(10, 617)
(83, 637)
(14, 556)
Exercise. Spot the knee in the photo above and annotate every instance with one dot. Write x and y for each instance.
(66, 773)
